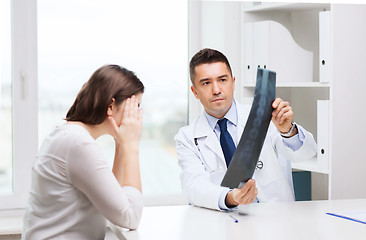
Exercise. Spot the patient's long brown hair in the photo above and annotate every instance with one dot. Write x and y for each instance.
(94, 98)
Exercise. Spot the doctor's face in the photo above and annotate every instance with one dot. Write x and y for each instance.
(214, 87)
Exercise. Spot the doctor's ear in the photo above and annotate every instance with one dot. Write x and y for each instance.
(193, 89)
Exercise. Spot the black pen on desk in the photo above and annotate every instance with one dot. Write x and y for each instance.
(235, 220)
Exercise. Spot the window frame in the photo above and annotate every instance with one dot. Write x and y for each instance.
(24, 100)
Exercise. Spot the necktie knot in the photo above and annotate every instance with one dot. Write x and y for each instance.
(222, 124)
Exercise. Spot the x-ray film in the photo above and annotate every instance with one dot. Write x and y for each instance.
(246, 155)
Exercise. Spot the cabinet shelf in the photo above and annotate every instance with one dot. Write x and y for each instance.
(284, 7)
(293, 84)
(309, 165)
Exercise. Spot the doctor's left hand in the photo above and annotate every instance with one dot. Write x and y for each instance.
(243, 196)
(282, 115)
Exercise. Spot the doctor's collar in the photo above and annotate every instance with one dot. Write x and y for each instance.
(231, 115)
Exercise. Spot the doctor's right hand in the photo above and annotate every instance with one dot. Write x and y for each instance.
(243, 196)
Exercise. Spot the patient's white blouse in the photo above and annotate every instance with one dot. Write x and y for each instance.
(74, 190)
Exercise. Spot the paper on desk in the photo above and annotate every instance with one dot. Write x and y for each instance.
(357, 216)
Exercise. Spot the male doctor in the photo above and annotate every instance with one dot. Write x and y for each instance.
(200, 153)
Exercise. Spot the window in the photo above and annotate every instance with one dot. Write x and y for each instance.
(76, 37)
(6, 148)
(18, 81)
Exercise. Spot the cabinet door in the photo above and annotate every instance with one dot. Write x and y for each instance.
(348, 153)
(249, 67)
(261, 44)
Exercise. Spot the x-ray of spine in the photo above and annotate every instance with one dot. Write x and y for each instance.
(246, 155)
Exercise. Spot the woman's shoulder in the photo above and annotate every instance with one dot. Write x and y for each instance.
(74, 133)
(81, 149)
(78, 138)
(68, 139)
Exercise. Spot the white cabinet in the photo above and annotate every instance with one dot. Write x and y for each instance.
(285, 38)
(335, 36)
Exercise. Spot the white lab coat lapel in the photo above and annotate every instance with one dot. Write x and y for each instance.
(243, 114)
(207, 141)
(242, 120)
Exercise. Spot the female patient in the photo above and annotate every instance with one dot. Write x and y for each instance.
(73, 189)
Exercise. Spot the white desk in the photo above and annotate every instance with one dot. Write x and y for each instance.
(297, 220)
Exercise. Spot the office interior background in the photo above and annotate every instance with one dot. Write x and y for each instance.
(48, 49)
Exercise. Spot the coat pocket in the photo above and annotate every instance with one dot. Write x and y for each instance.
(268, 169)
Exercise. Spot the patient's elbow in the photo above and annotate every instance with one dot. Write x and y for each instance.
(129, 217)
(133, 219)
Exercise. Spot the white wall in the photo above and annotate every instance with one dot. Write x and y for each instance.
(215, 24)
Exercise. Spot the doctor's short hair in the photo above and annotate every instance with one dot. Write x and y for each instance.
(206, 55)
(107, 83)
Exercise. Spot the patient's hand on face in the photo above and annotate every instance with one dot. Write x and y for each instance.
(129, 131)
(242, 196)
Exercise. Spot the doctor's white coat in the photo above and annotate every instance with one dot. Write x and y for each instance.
(203, 165)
